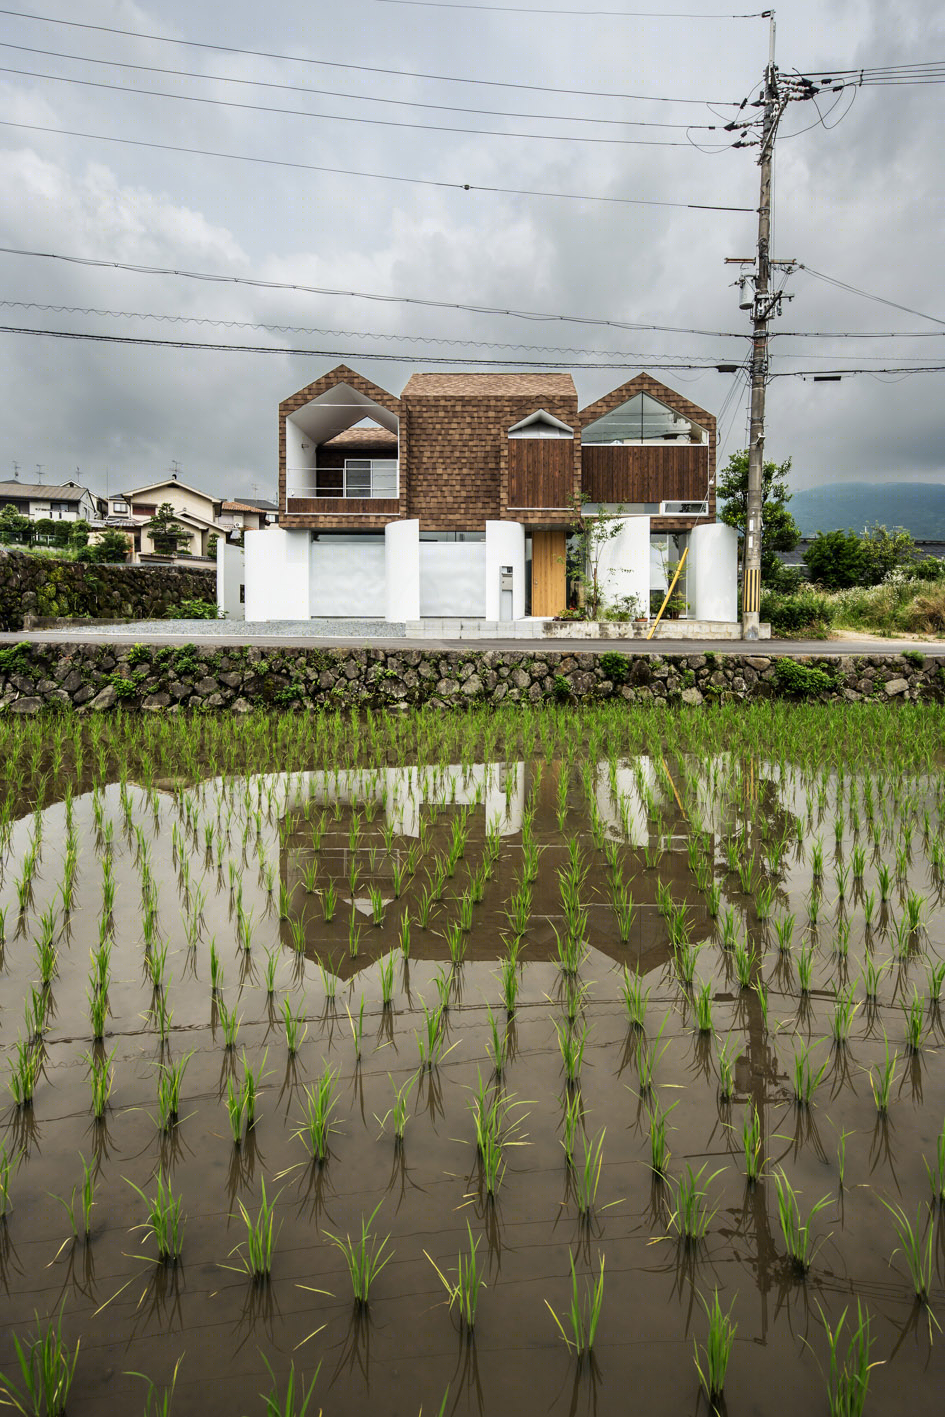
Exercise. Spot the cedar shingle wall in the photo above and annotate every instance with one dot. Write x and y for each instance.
(541, 472)
(674, 472)
(455, 452)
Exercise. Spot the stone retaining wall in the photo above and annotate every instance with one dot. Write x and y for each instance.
(165, 678)
(43, 586)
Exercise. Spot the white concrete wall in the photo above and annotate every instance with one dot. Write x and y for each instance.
(348, 577)
(231, 578)
(453, 579)
(505, 546)
(624, 564)
(402, 555)
(277, 574)
(712, 569)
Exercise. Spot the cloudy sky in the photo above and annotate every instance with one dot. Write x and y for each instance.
(619, 106)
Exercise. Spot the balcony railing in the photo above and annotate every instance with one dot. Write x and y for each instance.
(361, 479)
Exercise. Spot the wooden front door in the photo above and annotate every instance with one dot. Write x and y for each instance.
(549, 580)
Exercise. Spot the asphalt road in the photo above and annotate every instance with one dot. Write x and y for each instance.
(934, 648)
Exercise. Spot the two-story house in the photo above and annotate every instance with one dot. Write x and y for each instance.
(65, 502)
(456, 498)
(196, 513)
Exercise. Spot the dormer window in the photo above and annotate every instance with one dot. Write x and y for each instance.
(541, 425)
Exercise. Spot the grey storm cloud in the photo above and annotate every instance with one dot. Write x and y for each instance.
(857, 197)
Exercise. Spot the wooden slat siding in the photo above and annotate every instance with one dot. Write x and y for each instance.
(672, 473)
(541, 472)
(343, 506)
(549, 577)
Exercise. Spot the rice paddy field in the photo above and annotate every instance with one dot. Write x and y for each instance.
(552, 1061)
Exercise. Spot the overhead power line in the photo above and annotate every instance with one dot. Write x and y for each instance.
(343, 117)
(355, 68)
(529, 10)
(879, 299)
(371, 176)
(217, 348)
(354, 97)
(256, 283)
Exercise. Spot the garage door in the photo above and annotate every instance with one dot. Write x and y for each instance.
(348, 578)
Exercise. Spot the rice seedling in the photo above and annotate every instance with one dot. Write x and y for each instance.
(841, 938)
(572, 1117)
(806, 1081)
(726, 1073)
(295, 1027)
(508, 973)
(634, 997)
(805, 968)
(917, 1250)
(752, 1144)
(86, 1202)
(882, 1079)
(216, 969)
(170, 1081)
(817, 857)
(848, 1378)
(377, 905)
(571, 1047)
(7, 1163)
(844, 1010)
(364, 1257)
(165, 1219)
(884, 878)
(498, 1044)
(783, 931)
(386, 974)
(329, 982)
(25, 1068)
(703, 1008)
(869, 906)
(230, 1024)
(455, 942)
(582, 1317)
(317, 1125)
(357, 1028)
(235, 1110)
(259, 1242)
(585, 1177)
(272, 963)
(764, 900)
(102, 1079)
(717, 1351)
(936, 1174)
(431, 1043)
(745, 960)
(858, 862)
(685, 959)
(659, 1143)
(35, 1012)
(798, 1238)
(813, 907)
(464, 1290)
(403, 937)
(329, 902)
(914, 1014)
(935, 974)
(691, 1217)
(47, 1368)
(623, 909)
(400, 1112)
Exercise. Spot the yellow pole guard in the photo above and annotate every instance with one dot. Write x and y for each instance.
(682, 562)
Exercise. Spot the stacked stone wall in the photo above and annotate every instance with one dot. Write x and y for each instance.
(41, 587)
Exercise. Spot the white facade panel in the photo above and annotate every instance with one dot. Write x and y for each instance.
(453, 578)
(348, 577)
(505, 546)
(402, 552)
(624, 565)
(277, 574)
(231, 578)
(712, 567)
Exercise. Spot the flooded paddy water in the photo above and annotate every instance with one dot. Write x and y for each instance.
(327, 929)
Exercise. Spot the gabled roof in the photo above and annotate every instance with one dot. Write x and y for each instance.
(39, 491)
(360, 437)
(527, 385)
(541, 415)
(646, 384)
(249, 507)
(341, 374)
(164, 482)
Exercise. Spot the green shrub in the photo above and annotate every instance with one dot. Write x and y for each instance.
(804, 680)
(127, 688)
(195, 609)
(615, 666)
(561, 689)
(806, 613)
(914, 657)
(15, 659)
(835, 559)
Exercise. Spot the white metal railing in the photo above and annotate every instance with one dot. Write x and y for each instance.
(361, 478)
(685, 509)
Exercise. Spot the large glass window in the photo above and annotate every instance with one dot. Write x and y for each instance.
(642, 419)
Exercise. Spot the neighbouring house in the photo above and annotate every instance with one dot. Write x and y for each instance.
(66, 502)
(196, 513)
(457, 497)
(248, 514)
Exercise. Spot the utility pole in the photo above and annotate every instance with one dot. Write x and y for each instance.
(763, 306)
